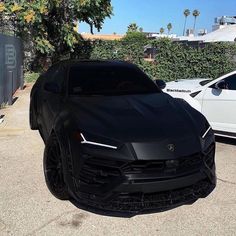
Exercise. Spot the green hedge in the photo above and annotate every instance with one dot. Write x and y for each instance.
(174, 60)
(179, 61)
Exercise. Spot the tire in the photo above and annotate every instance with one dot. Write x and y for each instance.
(53, 169)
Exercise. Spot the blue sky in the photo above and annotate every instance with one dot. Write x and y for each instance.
(151, 15)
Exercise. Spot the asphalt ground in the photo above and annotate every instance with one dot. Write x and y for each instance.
(28, 208)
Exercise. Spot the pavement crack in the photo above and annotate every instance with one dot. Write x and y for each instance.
(226, 181)
(49, 222)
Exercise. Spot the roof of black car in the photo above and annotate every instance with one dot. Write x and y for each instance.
(96, 62)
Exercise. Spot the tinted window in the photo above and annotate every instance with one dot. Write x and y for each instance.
(109, 80)
(231, 82)
(56, 74)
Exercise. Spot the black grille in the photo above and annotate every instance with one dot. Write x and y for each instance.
(136, 202)
(180, 165)
(133, 202)
(138, 167)
(99, 171)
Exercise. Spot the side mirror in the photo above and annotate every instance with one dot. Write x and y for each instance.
(160, 83)
(52, 87)
(221, 85)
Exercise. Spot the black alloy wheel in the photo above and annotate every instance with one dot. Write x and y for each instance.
(53, 169)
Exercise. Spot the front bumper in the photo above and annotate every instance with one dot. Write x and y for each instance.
(144, 186)
(140, 203)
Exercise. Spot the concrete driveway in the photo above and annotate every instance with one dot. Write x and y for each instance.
(27, 207)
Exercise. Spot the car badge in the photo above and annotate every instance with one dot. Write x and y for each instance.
(171, 147)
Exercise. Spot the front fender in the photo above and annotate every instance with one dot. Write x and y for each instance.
(64, 130)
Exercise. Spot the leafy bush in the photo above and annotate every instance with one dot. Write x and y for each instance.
(179, 61)
(102, 49)
(150, 68)
(31, 77)
(174, 60)
(132, 46)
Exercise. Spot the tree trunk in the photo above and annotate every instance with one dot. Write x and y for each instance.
(184, 26)
(194, 26)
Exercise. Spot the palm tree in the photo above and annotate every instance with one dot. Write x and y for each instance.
(186, 14)
(141, 29)
(132, 27)
(162, 30)
(196, 13)
(169, 27)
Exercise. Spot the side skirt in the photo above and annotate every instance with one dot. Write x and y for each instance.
(225, 134)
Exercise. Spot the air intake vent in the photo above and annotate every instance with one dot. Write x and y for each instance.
(99, 172)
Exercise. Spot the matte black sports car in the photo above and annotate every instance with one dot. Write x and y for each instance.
(114, 141)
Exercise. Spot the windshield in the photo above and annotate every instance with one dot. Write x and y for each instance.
(109, 80)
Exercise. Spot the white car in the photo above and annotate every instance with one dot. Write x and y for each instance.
(216, 99)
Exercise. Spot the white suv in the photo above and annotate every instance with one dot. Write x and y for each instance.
(216, 99)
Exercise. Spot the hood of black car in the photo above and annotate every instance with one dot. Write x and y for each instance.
(146, 118)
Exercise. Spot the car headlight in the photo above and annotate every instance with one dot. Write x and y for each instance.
(205, 134)
(84, 140)
(206, 131)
